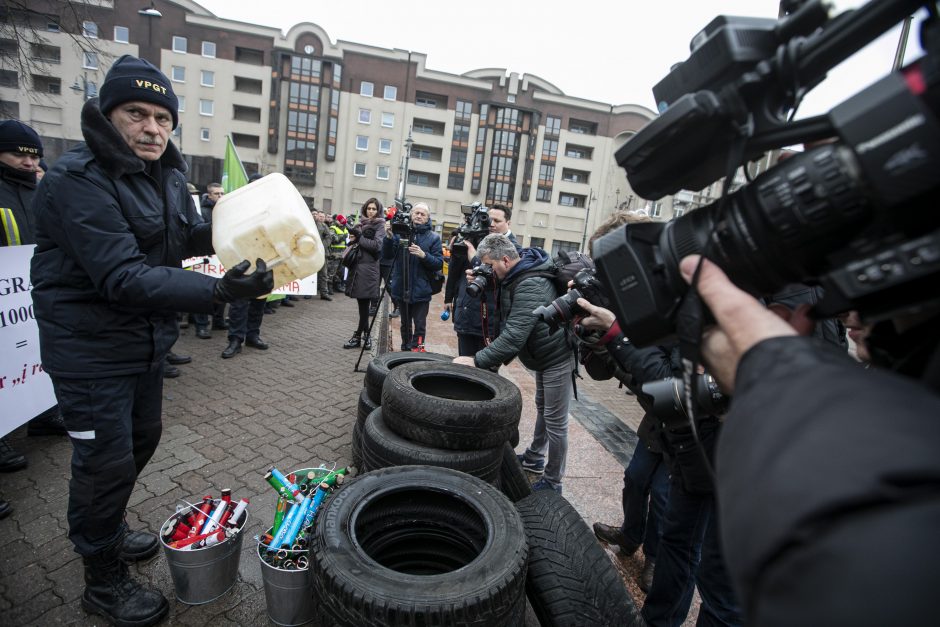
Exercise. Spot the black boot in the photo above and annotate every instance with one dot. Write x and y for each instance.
(139, 545)
(234, 347)
(10, 458)
(111, 592)
(354, 341)
(367, 342)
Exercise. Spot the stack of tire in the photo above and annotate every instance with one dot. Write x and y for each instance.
(418, 545)
(436, 413)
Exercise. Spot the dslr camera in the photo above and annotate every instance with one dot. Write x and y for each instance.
(482, 276)
(562, 310)
(856, 216)
(401, 221)
(476, 226)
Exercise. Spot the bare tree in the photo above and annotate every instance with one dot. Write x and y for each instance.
(25, 45)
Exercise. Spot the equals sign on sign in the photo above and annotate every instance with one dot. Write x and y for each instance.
(21, 344)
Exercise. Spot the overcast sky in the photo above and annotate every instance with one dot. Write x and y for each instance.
(612, 52)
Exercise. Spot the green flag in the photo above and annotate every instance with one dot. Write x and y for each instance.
(233, 172)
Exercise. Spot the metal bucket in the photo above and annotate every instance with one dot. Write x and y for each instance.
(203, 575)
(288, 593)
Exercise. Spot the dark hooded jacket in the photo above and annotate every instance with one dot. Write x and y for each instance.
(17, 189)
(364, 279)
(521, 332)
(111, 231)
(467, 315)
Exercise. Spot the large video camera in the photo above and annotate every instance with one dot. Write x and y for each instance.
(857, 216)
(476, 226)
(401, 221)
(668, 396)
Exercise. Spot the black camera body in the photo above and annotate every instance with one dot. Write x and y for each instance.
(482, 276)
(402, 225)
(475, 227)
(855, 216)
(562, 310)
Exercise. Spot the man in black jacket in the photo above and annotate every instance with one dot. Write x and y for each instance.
(214, 193)
(828, 501)
(113, 222)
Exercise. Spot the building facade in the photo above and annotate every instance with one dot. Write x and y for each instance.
(335, 117)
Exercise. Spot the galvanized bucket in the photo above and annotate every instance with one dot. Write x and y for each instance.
(203, 575)
(288, 593)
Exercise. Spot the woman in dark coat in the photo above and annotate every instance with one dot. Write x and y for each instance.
(365, 278)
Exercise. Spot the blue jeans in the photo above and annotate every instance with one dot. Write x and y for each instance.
(690, 555)
(645, 490)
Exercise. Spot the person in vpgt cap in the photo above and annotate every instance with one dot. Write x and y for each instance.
(112, 225)
(20, 159)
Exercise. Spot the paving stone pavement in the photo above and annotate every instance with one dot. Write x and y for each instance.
(226, 422)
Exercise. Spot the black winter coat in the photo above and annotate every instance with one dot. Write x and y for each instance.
(364, 279)
(16, 194)
(829, 490)
(106, 274)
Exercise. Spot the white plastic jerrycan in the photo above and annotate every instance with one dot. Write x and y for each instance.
(268, 219)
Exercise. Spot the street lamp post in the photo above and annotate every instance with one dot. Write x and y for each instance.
(409, 142)
(587, 215)
(151, 13)
(85, 87)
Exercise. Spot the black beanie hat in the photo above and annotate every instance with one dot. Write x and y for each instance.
(17, 137)
(130, 79)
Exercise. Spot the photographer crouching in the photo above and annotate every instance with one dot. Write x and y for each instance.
(522, 289)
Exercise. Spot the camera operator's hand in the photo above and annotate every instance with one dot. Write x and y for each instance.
(742, 321)
(236, 285)
(471, 249)
(415, 250)
(598, 318)
(388, 226)
(465, 360)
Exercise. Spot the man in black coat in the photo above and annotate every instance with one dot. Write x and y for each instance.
(113, 222)
(827, 473)
(214, 193)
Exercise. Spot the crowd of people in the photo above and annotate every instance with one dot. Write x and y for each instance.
(113, 219)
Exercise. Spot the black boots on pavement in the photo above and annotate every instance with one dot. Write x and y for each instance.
(358, 339)
(110, 591)
(234, 347)
(10, 459)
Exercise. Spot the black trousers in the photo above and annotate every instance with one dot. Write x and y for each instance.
(469, 345)
(363, 315)
(244, 319)
(114, 424)
(413, 324)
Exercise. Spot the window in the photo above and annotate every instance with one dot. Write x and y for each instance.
(182, 103)
(575, 176)
(90, 60)
(464, 109)
(420, 153)
(582, 128)
(359, 169)
(362, 142)
(206, 107)
(179, 44)
(388, 119)
(391, 92)
(511, 99)
(90, 29)
(381, 172)
(544, 194)
(365, 116)
(428, 100)
(122, 34)
(204, 134)
(385, 146)
(207, 78)
(656, 209)
(571, 200)
(208, 49)
(178, 74)
(366, 88)
(536, 242)
(560, 246)
(578, 152)
(552, 126)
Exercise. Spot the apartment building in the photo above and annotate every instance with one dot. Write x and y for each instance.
(336, 117)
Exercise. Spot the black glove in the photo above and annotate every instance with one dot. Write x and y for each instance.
(236, 285)
(355, 232)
